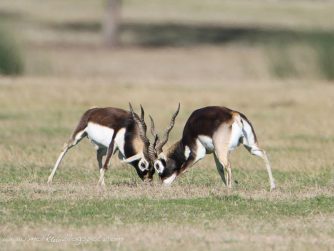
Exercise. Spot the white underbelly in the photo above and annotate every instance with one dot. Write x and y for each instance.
(206, 142)
(100, 135)
(233, 142)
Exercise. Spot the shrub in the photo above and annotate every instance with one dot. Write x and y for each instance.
(11, 60)
(326, 58)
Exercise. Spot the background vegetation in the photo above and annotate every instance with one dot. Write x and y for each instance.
(269, 59)
(11, 61)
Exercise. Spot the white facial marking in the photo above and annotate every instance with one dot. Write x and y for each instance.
(100, 135)
(169, 180)
(143, 165)
(159, 167)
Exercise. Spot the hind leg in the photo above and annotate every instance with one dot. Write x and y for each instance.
(250, 142)
(224, 167)
(220, 168)
(255, 150)
(221, 141)
(196, 155)
(229, 174)
(72, 142)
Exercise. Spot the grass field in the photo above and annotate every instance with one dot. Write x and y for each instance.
(197, 211)
(69, 71)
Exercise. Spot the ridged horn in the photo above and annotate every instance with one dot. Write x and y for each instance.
(142, 129)
(163, 141)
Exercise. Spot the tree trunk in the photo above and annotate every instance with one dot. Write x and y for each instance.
(112, 22)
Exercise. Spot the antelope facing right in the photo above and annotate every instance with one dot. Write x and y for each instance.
(111, 129)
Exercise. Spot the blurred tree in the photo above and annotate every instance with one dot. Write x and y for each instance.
(11, 58)
(112, 22)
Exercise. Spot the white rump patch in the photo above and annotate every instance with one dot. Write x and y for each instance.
(235, 136)
(249, 139)
(169, 180)
(159, 167)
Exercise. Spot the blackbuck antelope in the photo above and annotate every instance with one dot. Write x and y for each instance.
(111, 129)
(212, 129)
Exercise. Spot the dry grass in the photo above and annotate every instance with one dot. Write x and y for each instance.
(219, 235)
(206, 64)
(38, 114)
(68, 71)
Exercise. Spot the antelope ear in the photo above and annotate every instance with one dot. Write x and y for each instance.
(133, 158)
(162, 156)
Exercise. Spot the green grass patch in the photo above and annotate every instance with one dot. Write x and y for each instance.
(203, 176)
(13, 174)
(106, 211)
(287, 60)
(5, 116)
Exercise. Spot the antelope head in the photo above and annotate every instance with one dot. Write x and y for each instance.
(162, 163)
(145, 164)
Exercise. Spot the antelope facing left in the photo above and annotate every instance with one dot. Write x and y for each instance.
(111, 129)
(212, 129)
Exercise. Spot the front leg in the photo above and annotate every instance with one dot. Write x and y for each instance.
(197, 153)
(106, 163)
(189, 162)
